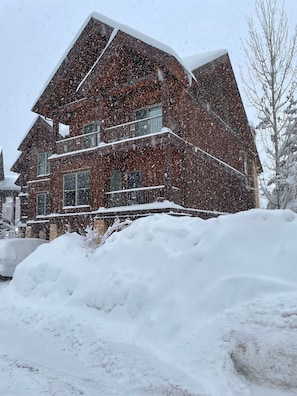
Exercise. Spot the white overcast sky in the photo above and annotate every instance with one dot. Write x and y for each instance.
(36, 33)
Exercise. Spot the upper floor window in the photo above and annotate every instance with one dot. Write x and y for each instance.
(152, 120)
(93, 131)
(77, 189)
(42, 204)
(43, 165)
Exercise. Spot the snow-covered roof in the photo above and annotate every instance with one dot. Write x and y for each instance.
(48, 121)
(140, 36)
(9, 183)
(116, 28)
(198, 60)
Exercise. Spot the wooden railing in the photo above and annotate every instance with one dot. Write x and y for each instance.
(80, 142)
(117, 133)
(133, 129)
(142, 195)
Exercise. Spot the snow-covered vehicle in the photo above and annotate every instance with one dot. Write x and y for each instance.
(13, 251)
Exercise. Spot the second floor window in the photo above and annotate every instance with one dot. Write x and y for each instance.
(92, 130)
(152, 120)
(42, 204)
(43, 165)
(77, 189)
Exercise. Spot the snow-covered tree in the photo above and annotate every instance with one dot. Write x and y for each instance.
(92, 239)
(270, 84)
(288, 172)
(117, 225)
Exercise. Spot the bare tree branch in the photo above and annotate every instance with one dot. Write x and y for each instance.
(270, 86)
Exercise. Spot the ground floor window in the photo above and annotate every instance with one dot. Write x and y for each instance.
(116, 180)
(134, 182)
(77, 189)
(42, 204)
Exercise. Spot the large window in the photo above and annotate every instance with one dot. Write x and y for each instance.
(43, 165)
(42, 204)
(92, 130)
(77, 189)
(152, 120)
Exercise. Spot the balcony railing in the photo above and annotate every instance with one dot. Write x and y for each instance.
(128, 130)
(80, 142)
(142, 195)
(133, 129)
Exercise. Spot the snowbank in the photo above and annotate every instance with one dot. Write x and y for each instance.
(216, 297)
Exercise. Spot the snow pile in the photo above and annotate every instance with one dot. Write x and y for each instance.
(215, 297)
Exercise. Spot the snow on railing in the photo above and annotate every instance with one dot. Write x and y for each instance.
(120, 132)
(142, 195)
(133, 129)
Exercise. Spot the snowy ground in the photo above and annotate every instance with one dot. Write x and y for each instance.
(169, 306)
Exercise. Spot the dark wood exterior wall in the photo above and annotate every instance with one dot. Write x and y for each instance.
(40, 138)
(216, 84)
(150, 159)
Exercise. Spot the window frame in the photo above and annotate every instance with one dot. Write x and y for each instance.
(91, 139)
(43, 164)
(76, 189)
(134, 183)
(45, 205)
(150, 123)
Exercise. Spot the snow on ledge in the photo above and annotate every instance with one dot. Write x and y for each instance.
(149, 206)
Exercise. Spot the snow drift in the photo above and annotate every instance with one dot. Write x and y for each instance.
(215, 297)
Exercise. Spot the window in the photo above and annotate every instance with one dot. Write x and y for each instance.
(93, 130)
(116, 180)
(43, 165)
(152, 120)
(42, 204)
(133, 182)
(115, 185)
(77, 189)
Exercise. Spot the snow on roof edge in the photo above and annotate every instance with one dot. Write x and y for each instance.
(72, 42)
(8, 184)
(112, 36)
(195, 61)
(124, 28)
(144, 38)
(47, 120)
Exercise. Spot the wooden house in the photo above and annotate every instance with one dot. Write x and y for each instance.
(147, 132)
(33, 168)
(9, 192)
